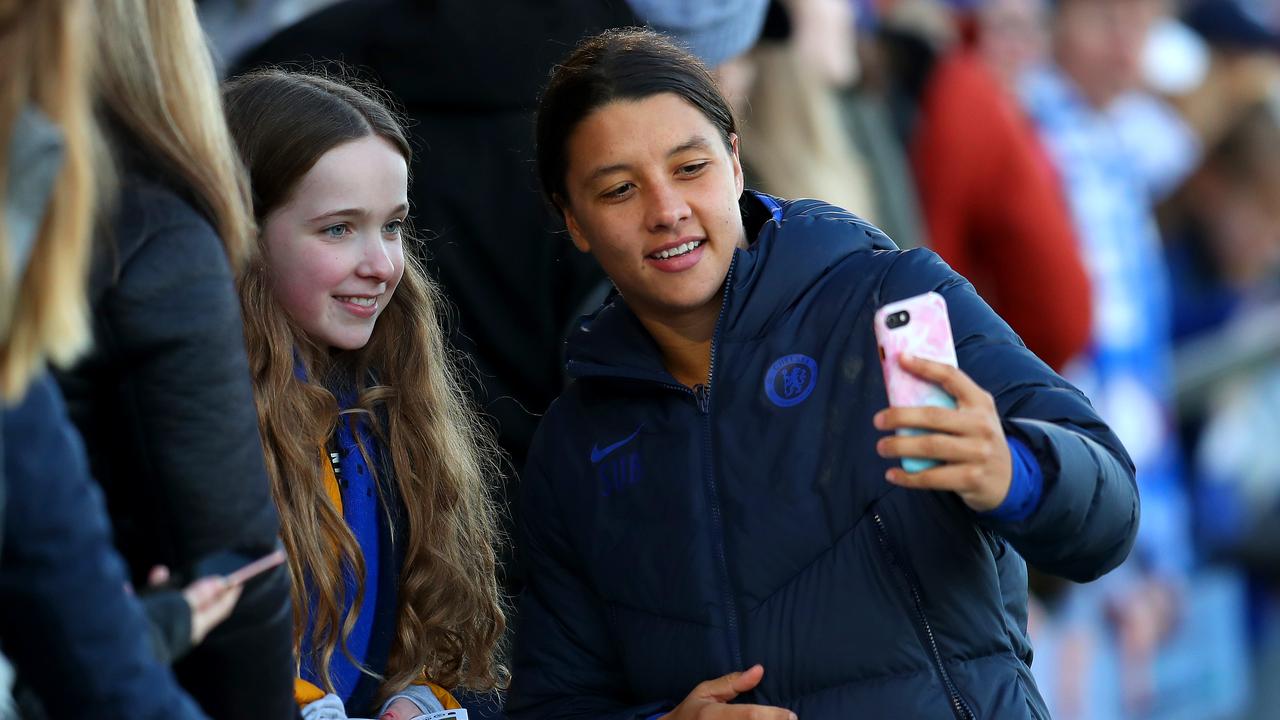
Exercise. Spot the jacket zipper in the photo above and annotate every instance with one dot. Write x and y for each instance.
(717, 522)
(701, 395)
(958, 704)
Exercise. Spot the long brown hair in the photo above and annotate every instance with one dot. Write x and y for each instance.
(156, 79)
(44, 313)
(450, 619)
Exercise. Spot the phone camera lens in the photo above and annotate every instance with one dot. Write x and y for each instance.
(898, 319)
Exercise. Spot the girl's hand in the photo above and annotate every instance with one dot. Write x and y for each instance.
(211, 599)
(969, 439)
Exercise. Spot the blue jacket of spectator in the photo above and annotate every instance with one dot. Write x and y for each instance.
(66, 622)
(673, 535)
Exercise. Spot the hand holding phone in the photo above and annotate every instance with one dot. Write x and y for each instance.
(211, 600)
(257, 567)
(213, 596)
(918, 327)
(939, 414)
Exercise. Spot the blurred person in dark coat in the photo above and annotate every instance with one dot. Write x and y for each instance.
(75, 636)
(164, 399)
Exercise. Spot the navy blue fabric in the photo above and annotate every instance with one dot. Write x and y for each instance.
(369, 496)
(1024, 487)
(392, 538)
(751, 522)
(362, 511)
(164, 402)
(65, 621)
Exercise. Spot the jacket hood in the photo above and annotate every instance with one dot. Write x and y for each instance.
(797, 242)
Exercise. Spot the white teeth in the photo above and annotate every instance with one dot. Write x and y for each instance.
(677, 251)
(361, 301)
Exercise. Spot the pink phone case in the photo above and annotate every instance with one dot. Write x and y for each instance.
(257, 567)
(922, 329)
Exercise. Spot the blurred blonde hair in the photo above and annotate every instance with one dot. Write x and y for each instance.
(156, 78)
(793, 138)
(43, 313)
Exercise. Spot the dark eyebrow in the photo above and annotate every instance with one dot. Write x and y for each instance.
(355, 213)
(697, 142)
(335, 214)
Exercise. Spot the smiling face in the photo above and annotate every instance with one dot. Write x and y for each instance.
(653, 196)
(334, 250)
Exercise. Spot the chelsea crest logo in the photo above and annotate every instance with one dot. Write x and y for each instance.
(790, 379)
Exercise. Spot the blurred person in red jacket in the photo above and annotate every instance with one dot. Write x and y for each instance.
(992, 202)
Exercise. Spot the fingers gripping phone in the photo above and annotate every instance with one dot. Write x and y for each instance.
(236, 567)
(916, 326)
(257, 567)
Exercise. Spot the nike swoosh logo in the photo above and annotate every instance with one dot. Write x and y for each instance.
(597, 454)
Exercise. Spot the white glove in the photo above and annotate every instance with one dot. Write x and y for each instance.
(329, 707)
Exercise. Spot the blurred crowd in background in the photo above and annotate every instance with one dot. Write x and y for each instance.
(1106, 173)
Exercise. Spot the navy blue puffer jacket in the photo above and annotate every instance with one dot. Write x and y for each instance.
(674, 536)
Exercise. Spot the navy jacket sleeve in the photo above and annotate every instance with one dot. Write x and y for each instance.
(1087, 518)
(564, 665)
(66, 621)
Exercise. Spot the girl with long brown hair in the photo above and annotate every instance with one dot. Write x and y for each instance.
(380, 470)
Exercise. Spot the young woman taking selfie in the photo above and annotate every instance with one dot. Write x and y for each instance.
(712, 511)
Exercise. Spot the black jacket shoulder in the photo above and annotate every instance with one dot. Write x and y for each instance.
(165, 404)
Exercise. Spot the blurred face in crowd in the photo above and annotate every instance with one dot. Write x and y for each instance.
(1099, 44)
(1011, 37)
(1245, 231)
(334, 249)
(1236, 199)
(823, 34)
(653, 196)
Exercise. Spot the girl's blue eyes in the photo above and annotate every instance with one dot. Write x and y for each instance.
(340, 230)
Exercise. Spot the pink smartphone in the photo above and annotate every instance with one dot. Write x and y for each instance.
(257, 567)
(916, 326)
